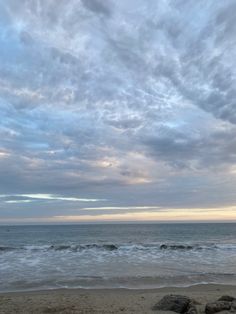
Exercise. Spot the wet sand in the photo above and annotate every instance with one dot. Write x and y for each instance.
(78, 301)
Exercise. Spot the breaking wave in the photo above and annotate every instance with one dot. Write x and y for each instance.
(118, 247)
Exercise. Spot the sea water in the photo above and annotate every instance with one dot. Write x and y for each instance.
(116, 255)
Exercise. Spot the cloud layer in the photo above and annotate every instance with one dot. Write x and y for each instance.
(129, 103)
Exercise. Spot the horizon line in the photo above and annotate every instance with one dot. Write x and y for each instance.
(117, 222)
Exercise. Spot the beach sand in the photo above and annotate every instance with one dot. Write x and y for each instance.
(104, 300)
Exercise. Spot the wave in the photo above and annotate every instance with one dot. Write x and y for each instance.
(184, 247)
(7, 248)
(81, 247)
(108, 247)
(119, 247)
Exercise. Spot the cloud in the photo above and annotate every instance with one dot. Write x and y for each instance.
(132, 102)
(124, 207)
(18, 201)
(97, 6)
(46, 197)
(174, 215)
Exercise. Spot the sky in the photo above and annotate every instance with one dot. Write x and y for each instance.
(117, 110)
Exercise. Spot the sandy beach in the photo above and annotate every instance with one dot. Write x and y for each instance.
(83, 301)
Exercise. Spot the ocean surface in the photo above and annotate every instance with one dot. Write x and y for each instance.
(116, 255)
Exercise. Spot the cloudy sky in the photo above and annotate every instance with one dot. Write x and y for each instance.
(117, 110)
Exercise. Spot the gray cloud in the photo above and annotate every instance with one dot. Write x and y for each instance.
(97, 6)
(129, 101)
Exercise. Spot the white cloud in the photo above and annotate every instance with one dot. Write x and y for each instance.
(122, 207)
(46, 197)
(18, 201)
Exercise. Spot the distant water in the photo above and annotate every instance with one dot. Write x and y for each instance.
(121, 255)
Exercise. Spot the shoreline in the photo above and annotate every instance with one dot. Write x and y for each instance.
(80, 289)
(117, 300)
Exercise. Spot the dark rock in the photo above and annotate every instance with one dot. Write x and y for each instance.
(217, 306)
(233, 306)
(175, 303)
(191, 309)
(226, 298)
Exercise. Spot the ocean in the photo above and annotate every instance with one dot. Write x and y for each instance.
(116, 256)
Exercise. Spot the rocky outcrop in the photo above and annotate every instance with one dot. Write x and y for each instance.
(224, 303)
(191, 309)
(176, 303)
(184, 305)
(226, 298)
(217, 306)
(233, 306)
